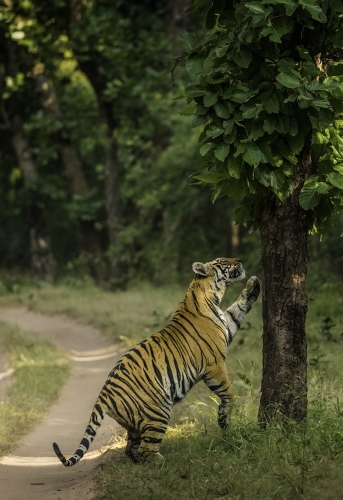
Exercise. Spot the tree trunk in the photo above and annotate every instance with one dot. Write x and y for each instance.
(41, 259)
(113, 205)
(112, 184)
(73, 172)
(283, 227)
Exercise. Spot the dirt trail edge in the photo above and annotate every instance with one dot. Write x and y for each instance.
(33, 472)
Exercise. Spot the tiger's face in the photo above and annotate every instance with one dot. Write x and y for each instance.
(222, 271)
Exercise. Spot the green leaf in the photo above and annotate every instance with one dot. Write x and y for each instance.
(256, 130)
(233, 188)
(304, 53)
(315, 11)
(262, 175)
(271, 104)
(223, 109)
(323, 188)
(252, 154)
(210, 98)
(336, 179)
(188, 111)
(187, 41)
(296, 143)
(222, 151)
(241, 148)
(234, 167)
(198, 120)
(214, 132)
(243, 57)
(195, 64)
(266, 152)
(277, 179)
(269, 124)
(282, 124)
(255, 7)
(206, 147)
(228, 125)
(249, 111)
(320, 103)
(288, 79)
(241, 96)
(309, 196)
(321, 118)
(209, 177)
(293, 126)
(195, 91)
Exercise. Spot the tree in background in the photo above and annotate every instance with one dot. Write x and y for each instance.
(268, 87)
(163, 221)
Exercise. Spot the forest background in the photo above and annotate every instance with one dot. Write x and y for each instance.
(96, 161)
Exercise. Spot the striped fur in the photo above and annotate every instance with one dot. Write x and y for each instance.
(145, 383)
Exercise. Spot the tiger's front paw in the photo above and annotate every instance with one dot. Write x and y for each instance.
(252, 289)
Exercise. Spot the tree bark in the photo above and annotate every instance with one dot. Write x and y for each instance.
(41, 258)
(283, 228)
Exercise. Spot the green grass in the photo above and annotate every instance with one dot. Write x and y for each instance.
(202, 461)
(125, 315)
(40, 370)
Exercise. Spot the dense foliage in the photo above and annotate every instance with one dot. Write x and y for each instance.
(261, 84)
(81, 75)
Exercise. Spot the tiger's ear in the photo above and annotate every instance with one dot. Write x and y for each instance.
(201, 269)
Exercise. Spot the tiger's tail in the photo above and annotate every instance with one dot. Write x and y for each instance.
(95, 421)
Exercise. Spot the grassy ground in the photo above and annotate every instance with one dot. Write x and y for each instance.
(202, 461)
(39, 372)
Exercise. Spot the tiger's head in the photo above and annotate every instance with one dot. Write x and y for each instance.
(222, 271)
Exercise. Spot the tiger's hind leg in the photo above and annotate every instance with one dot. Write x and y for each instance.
(152, 436)
(133, 444)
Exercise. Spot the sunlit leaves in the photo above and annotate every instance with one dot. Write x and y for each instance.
(336, 179)
(309, 196)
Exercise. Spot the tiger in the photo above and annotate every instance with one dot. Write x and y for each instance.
(159, 371)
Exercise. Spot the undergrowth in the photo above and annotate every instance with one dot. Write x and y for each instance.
(40, 370)
(245, 462)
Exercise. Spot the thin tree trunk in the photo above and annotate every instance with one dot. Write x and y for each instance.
(112, 167)
(73, 172)
(41, 259)
(283, 227)
(113, 205)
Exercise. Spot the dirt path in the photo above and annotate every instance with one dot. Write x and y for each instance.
(32, 472)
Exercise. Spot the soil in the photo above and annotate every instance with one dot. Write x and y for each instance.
(33, 472)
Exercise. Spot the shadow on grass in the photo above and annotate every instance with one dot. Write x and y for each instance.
(244, 462)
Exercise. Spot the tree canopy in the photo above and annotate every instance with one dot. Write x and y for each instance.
(266, 75)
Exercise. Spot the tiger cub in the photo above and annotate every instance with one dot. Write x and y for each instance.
(145, 383)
